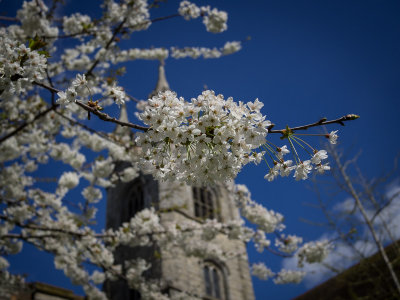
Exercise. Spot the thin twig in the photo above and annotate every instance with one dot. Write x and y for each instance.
(395, 195)
(53, 98)
(11, 19)
(321, 122)
(107, 118)
(133, 98)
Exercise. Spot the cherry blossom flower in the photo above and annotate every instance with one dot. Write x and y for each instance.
(333, 137)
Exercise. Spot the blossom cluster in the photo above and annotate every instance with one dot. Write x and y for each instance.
(196, 52)
(288, 244)
(313, 252)
(80, 88)
(76, 23)
(214, 19)
(289, 276)
(301, 169)
(266, 220)
(76, 89)
(206, 140)
(261, 271)
(177, 53)
(33, 22)
(19, 66)
(135, 14)
(135, 53)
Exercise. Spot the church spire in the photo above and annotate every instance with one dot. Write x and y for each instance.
(162, 83)
(122, 131)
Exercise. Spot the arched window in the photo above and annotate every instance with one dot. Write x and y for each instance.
(135, 202)
(214, 281)
(205, 205)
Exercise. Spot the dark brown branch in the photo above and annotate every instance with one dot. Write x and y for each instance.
(102, 116)
(281, 254)
(163, 18)
(51, 89)
(321, 122)
(107, 118)
(11, 19)
(53, 96)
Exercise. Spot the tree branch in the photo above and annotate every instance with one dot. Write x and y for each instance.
(321, 122)
(11, 19)
(368, 222)
(107, 118)
(93, 110)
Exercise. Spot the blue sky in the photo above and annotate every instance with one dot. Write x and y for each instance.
(305, 60)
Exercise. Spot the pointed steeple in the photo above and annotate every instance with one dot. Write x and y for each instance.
(122, 131)
(162, 83)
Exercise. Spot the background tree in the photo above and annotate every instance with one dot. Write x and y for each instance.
(362, 224)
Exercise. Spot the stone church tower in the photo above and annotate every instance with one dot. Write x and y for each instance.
(209, 279)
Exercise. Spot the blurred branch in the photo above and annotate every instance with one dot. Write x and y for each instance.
(23, 125)
(364, 214)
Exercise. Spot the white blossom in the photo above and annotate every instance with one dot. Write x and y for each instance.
(231, 47)
(103, 167)
(333, 137)
(215, 20)
(302, 170)
(76, 23)
(288, 244)
(148, 54)
(117, 93)
(67, 97)
(321, 168)
(91, 194)
(261, 271)
(98, 277)
(213, 146)
(319, 156)
(289, 276)
(79, 81)
(69, 180)
(189, 10)
(206, 53)
(313, 252)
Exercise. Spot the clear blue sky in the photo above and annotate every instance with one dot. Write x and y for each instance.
(305, 60)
